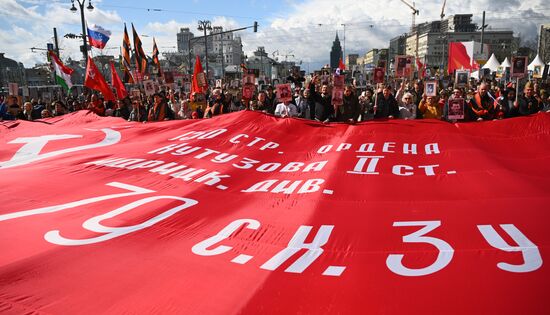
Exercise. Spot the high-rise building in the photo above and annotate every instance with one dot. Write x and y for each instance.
(351, 60)
(226, 47)
(430, 40)
(397, 46)
(11, 71)
(183, 38)
(335, 53)
(544, 43)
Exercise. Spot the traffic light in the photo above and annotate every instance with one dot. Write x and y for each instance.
(255, 27)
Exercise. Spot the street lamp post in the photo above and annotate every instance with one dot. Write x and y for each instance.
(90, 8)
(344, 57)
(204, 26)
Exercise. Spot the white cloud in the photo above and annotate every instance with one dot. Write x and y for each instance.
(298, 30)
(295, 30)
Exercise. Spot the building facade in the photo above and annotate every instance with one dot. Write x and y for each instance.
(183, 38)
(544, 43)
(430, 40)
(397, 46)
(11, 71)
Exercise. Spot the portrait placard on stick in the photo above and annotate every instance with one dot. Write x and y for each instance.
(378, 75)
(337, 96)
(519, 67)
(13, 89)
(248, 91)
(461, 78)
(338, 81)
(149, 87)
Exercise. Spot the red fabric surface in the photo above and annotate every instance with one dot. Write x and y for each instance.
(489, 175)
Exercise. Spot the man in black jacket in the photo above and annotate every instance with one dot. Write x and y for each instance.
(386, 105)
(323, 101)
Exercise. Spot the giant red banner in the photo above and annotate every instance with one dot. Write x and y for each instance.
(251, 214)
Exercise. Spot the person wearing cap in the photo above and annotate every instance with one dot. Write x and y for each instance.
(527, 103)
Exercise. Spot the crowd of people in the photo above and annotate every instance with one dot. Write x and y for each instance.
(397, 99)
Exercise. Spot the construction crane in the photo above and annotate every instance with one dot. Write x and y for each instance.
(442, 15)
(414, 13)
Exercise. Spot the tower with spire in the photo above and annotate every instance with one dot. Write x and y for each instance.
(335, 53)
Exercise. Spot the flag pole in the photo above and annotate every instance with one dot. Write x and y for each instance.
(517, 88)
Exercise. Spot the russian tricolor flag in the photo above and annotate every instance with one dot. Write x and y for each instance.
(98, 36)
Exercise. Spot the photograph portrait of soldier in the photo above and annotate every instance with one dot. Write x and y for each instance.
(461, 79)
(456, 109)
(431, 88)
(378, 75)
(537, 72)
(519, 67)
(284, 92)
(338, 81)
(337, 97)
(401, 62)
(248, 79)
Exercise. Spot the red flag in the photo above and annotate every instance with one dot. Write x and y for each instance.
(420, 68)
(459, 58)
(95, 81)
(117, 83)
(341, 65)
(143, 214)
(199, 84)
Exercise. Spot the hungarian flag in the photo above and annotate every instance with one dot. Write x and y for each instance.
(62, 72)
(156, 61)
(98, 36)
(141, 59)
(95, 81)
(117, 83)
(199, 84)
(126, 63)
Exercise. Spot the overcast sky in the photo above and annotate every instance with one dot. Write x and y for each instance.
(301, 30)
